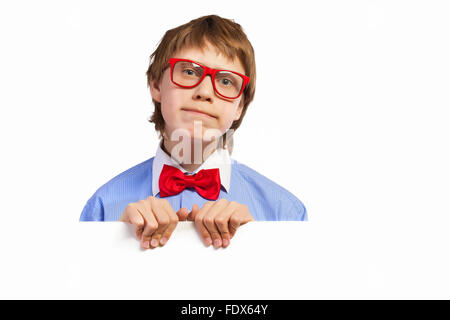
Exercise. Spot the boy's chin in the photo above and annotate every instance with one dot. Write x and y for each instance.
(205, 138)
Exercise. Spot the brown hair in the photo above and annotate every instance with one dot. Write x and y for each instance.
(225, 35)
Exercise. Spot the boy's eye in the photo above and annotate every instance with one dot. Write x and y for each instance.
(226, 82)
(192, 71)
(189, 72)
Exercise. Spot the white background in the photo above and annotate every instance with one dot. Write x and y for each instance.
(350, 114)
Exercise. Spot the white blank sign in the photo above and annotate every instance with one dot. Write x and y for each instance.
(265, 260)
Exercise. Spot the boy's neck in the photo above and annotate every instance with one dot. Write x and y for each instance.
(189, 165)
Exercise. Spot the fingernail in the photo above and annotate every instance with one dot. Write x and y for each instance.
(163, 241)
(208, 241)
(225, 242)
(217, 243)
(154, 243)
(146, 244)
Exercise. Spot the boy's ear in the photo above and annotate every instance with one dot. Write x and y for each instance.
(155, 90)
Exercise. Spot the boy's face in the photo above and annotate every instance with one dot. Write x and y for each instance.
(178, 104)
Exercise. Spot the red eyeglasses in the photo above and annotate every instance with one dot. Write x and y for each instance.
(188, 74)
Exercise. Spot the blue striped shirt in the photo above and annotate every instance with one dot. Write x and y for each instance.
(266, 200)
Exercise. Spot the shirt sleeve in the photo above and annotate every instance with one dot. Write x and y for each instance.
(93, 210)
(296, 212)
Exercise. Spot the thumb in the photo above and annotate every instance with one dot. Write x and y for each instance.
(182, 214)
(193, 213)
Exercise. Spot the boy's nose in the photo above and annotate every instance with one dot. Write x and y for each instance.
(204, 90)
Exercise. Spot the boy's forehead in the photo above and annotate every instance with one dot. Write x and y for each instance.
(210, 56)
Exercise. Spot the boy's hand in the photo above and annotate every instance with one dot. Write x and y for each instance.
(217, 221)
(154, 220)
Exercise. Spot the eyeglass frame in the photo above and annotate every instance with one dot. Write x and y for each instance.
(208, 71)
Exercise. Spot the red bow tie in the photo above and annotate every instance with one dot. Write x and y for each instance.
(206, 182)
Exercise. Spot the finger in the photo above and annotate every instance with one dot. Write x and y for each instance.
(193, 213)
(209, 221)
(222, 222)
(151, 224)
(235, 222)
(240, 217)
(182, 214)
(206, 237)
(173, 221)
(138, 221)
(132, 216)
(163, 219)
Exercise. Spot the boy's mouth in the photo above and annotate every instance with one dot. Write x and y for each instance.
(199, 112)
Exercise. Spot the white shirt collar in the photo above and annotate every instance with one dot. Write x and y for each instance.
(220, 159)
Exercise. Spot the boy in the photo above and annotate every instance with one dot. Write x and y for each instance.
(202, 79)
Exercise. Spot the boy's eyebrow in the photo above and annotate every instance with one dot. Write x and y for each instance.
(206, 65)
